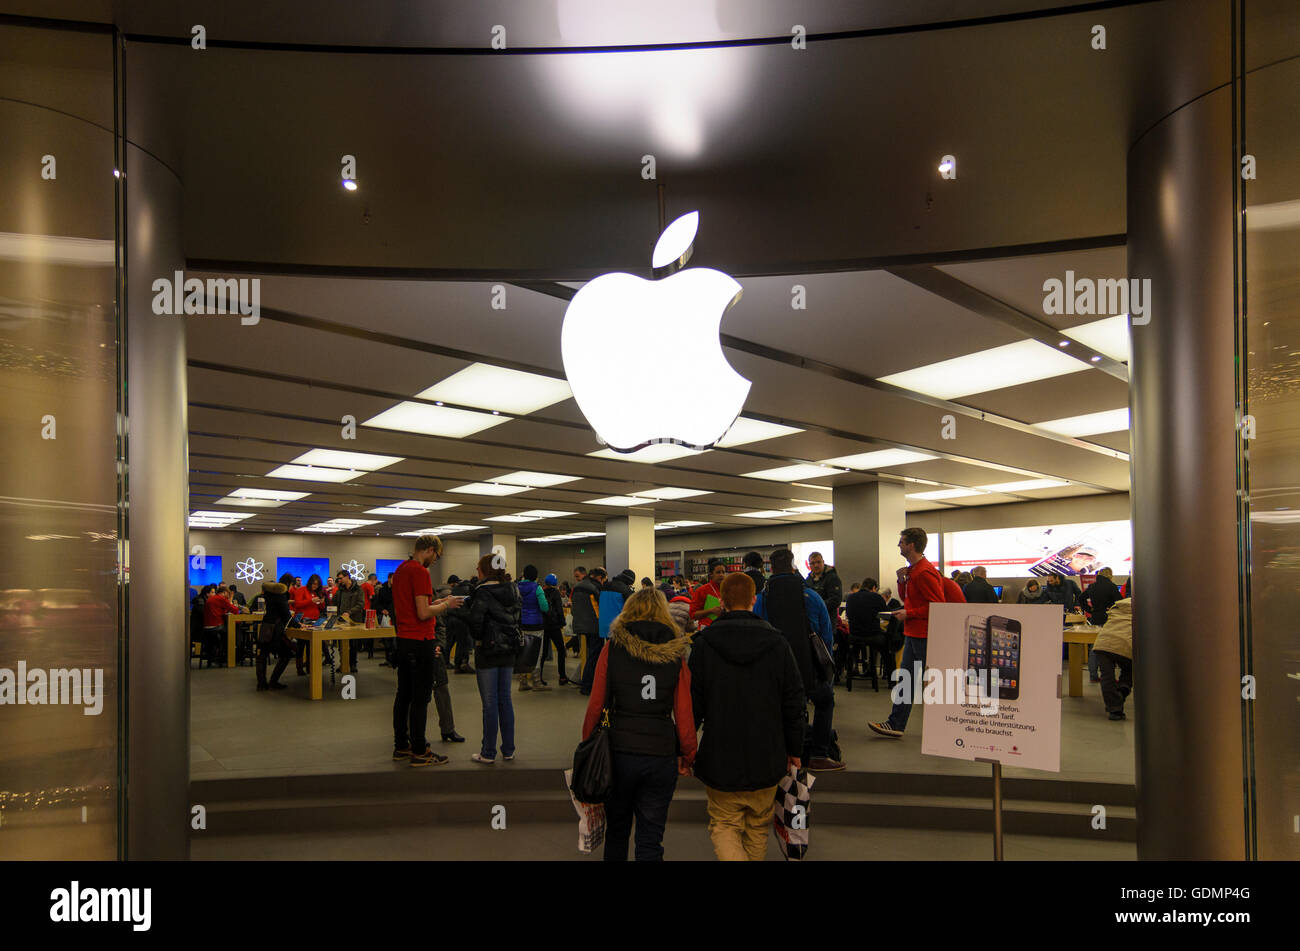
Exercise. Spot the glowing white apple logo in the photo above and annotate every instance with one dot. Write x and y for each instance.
(644, 358)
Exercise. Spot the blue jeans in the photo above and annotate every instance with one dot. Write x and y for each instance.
(494, 689)
(913, 651)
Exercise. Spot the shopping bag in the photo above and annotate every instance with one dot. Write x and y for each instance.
(591, 819)
(790, 818)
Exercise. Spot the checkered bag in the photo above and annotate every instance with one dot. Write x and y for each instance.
(790, 818)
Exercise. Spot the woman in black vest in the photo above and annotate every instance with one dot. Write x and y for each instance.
(272, 637)
(644, 681)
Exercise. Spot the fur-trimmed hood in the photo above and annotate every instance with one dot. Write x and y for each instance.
(273, 587)
(649, 641)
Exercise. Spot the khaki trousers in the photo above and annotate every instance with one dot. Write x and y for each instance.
(739, 823)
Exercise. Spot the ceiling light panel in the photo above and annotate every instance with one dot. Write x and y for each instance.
(251, 503)
(769, 513)
(491, 387)
(412, 507)
(940, 494)
(340, 459)
(818, 508)
(276, 495)
(535, 480)
(670, 493)
(1027, 485)
(664, 526)
(408, 417)
(489, 488)
(314, 473)
(441, 530)
(1108, 336)
(1090, 424)
(619, 500)
(791, 473)
(534, 515)
(881, 459)
(745, 430)
(1011, 365)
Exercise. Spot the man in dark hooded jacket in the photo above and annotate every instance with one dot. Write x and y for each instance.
(747, 693)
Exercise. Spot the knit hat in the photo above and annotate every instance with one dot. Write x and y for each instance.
(628, 575)
(551, 580)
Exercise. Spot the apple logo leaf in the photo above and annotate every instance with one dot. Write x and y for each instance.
(675, 244)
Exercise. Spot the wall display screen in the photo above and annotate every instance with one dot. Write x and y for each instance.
(209, 573)
(303, 567)
(803, 549)
(1074, 550)
(385, 567)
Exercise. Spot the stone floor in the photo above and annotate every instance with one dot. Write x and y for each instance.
(236, 731)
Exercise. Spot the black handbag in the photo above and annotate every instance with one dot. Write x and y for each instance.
(526, 659)
(593, 762)
(821, 655)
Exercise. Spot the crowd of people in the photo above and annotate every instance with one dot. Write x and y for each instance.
(715, 679)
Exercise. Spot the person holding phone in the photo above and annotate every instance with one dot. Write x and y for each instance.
(706, 602)
(415, 613)
(920, 585)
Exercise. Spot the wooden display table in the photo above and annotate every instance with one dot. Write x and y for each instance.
(1080, 639)
(318, 636)
(232, 620)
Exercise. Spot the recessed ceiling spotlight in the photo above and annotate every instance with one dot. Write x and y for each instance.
(947, 165)
(1096, 359)
(349, 184)
(1063, 343)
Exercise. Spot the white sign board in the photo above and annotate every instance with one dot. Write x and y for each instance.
(991, 684)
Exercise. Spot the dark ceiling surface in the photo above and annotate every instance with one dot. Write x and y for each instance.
(530, 165)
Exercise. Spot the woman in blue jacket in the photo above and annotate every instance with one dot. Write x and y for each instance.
(532, 620)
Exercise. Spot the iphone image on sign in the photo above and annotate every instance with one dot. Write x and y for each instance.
(1004, 657)
(977, 658)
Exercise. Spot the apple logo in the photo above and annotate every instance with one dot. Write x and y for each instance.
(644, 358)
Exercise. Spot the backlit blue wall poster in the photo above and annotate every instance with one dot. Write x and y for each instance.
(205, 569)
(303, 567)
(386, 566)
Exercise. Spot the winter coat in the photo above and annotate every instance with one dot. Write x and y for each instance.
(583, 605)
(1099, 597)
(1116, 636)
(553, 618)
(796, 611)
(277, 617)
(829, 587)
(493, 603)
(644, 722)
(680, 608)
(979, 591)
(747, 693)
(534, 604)
(352, 603)
(613, 594)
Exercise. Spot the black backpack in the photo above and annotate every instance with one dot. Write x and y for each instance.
(501, 634)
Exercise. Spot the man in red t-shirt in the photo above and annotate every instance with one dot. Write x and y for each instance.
(368, 588)
(701, 615)
(215, 609)
(920, 586)
(415, 615)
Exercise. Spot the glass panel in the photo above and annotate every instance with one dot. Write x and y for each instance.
(59, 631)
(1272, 384)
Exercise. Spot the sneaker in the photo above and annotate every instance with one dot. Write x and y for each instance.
(823, 764)
(884, 729)
(524, 684)
(428, 758)
(1117, 715)
(479, 758)
(541, 685)
(403, 752)
(508, 758)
